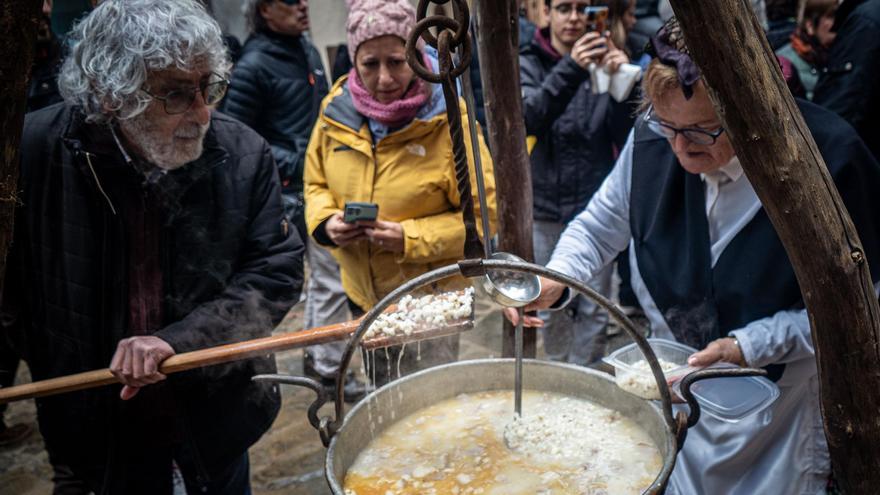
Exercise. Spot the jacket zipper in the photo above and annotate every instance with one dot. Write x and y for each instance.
(98, 181)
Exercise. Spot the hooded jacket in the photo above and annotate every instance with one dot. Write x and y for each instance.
(577, 131)
(409, 173)
(230, 271)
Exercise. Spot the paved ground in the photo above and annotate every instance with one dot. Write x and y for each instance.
(288, 460)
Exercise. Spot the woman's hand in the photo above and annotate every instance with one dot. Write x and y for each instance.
(385, 235)
(725, 350)
(341, 233)
(614, 57)
(551, 291)
(589, 48)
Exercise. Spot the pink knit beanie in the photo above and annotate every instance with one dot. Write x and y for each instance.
(368, 19)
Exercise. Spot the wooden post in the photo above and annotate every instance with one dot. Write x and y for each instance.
(783, 164)
(18, 31)
(497, 37)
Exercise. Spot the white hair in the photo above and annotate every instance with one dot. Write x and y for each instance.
(121, 42)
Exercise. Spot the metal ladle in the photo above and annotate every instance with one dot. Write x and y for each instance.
(513, 290)
(507, 288)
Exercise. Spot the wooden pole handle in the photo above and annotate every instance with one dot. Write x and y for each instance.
(186, 361)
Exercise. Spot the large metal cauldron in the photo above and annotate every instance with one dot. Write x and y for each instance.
(400, 398)
(348, 435)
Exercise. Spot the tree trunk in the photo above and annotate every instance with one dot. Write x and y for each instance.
(18, 31)
(497, 34)
(783, 164)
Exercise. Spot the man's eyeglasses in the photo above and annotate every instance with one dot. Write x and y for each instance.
(180, 100)
(566, 9)
(692, 134)
(290, 2)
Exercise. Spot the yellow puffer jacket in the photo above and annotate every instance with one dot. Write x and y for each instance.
(410, 174)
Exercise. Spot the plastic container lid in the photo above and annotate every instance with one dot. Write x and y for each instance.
(732, 399)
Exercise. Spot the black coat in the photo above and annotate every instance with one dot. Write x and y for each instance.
(230, 271)
(276, 89)
(577, 132)
(848, 84)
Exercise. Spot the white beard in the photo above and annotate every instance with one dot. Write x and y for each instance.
(167, 154)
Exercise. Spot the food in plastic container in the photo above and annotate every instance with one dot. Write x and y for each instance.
(633, 374)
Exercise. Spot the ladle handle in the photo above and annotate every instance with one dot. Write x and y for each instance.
(518, 367)
(186, 361)
(706, 374)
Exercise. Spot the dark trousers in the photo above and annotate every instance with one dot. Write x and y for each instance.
(154, 479)
(132, 454)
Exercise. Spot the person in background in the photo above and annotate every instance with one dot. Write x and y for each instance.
(276, 89)
(621, 22)
(810, 41)
(383, 138)
(782, 18)
(577, 134)
(42, 92)
(711, 272)
(848, 85)
(148, 226)
(43, 87)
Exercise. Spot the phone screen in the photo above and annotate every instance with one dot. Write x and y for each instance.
(596, 18)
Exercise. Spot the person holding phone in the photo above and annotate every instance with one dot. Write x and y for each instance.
(382, 139)
(577, 134)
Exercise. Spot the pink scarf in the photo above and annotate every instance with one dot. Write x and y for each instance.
(395, 114)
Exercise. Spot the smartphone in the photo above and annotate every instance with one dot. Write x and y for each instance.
(360, 211)
(596, 18)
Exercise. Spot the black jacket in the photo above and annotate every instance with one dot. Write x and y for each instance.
(848, 85)
(230, 271)
(577, 131)
(276, 89)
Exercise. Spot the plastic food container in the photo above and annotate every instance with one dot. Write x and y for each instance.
(632, 373)
(732, 399)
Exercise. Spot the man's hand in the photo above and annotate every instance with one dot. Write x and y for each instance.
(551, 291)
(589, 48)
(386, 235)
(725, 350)
(341, 233)
(136, 363)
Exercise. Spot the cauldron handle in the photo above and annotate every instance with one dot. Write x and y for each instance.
(320, 424)
(706, 374)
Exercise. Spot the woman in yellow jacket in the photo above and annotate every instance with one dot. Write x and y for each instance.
(383, 137)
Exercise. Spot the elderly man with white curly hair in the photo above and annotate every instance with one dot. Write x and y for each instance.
(148, 225)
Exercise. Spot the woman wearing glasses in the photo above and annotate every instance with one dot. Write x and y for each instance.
(710, 271)
(383, 137)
